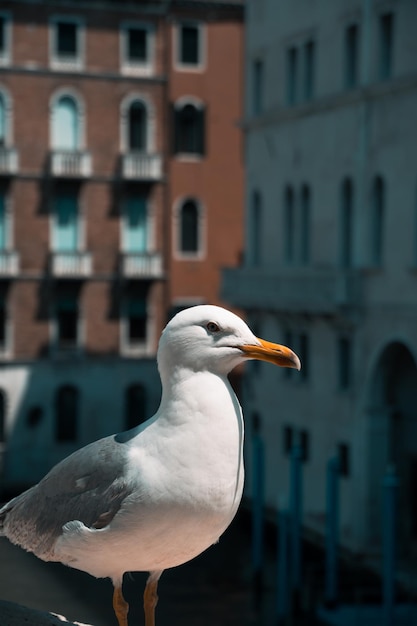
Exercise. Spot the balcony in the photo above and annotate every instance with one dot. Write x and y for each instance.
(9, 161)
(9, 263)
(141, 166)
(71, 265)
(70, 164)
(303, 290)
(141, 265)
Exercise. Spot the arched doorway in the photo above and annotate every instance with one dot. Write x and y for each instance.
(392, 439)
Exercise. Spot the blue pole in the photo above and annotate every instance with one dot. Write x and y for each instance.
(296, 514)
(390, 487)
(282, 572)
(258, 474)
(332, 531)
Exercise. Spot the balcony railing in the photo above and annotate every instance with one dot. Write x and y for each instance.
(141, 166)
(71, 264)
(315, 291)
(71, 163)
(9, 263)
(9, 161)
(143, 265)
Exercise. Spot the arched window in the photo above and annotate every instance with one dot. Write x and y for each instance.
(289, 226)
(189, 129)
(346, 224)
(3, 409)
(65, 124)
(305, 233)
(255, 229)
(135, 405)
(137, 120)
(378, 219)
(66, 413)
(189, 236)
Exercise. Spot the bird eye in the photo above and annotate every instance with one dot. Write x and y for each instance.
(212, 327)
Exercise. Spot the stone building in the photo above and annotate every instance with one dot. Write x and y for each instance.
(121, 186)
(331, 241)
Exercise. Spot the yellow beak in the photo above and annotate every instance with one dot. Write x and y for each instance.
(273, 353)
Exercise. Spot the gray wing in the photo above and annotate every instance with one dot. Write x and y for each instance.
(88, 486)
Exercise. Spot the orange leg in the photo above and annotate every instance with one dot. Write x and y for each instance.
(150, 598)
(120, 606)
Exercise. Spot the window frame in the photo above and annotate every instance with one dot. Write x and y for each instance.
(67, 92)
(131, 67)
(180, 65)
(57, 62)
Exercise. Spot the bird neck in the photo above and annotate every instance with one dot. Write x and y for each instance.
(204, 394)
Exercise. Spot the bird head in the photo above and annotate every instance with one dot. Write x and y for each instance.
(210, 338)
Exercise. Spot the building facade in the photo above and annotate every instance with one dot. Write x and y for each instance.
(118, 121)
(330, 268)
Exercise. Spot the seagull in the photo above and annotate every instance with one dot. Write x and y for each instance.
(156, 496)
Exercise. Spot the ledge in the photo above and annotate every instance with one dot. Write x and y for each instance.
(17, 615)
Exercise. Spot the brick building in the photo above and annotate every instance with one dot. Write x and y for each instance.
(121, 187)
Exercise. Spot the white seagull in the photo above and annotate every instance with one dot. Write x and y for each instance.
(159, 494)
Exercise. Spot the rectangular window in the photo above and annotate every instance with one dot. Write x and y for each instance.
(136, 235)
(3, 323)
(65, 236)
(344, 459)
(258, 87)
(189, 44)
(66, 43)
(3, 223)
(2, 34)
(351, 56)
(5, 32)
(309, 69)
(305, 445)
(189, 51)
(287, 439)
(66, 322)
(292, 75)
(66, 39)
(137, 48)
(136, 321)
(344, 363)
(386, 45)
(137, 44)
